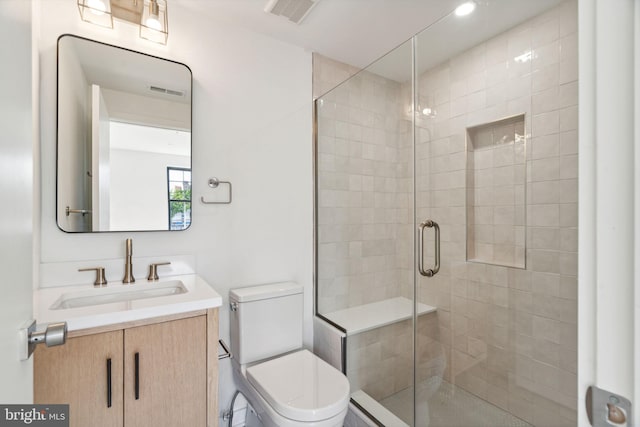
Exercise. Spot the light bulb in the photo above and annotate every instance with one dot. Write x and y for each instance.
(97, 7)
(153, 23)
(465, 8)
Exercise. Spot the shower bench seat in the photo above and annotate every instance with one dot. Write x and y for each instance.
(374, 315)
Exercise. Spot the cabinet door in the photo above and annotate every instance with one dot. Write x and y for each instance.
(77, 374)
(171, 374)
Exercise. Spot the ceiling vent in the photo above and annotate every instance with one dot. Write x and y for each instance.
(158, 89)
(294, 10)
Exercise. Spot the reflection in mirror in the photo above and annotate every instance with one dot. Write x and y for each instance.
(124, 139)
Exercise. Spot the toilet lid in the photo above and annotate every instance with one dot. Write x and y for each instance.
(301, 386)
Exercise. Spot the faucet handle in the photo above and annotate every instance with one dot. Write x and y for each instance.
(153, 270)
(101, 280)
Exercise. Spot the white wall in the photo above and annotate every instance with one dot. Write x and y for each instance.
(139, 196)
(251, 125)
(16, 186)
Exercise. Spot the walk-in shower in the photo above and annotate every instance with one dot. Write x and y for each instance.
(446, 221)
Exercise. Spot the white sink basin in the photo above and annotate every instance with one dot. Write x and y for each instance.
(85, 307)
(106, 295)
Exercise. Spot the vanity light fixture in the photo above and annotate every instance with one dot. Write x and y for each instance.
(149, 15)
(153, 24)
(96, 11)
(465, 8)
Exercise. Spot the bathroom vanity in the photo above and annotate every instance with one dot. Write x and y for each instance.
(149, 361)
(143, 353)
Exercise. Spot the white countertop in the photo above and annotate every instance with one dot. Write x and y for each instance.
(200, 296)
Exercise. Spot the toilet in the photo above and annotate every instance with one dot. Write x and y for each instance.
(286, 384)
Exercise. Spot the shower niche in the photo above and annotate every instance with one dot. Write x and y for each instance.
(496, 185)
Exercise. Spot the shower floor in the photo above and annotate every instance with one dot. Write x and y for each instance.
(450, 406)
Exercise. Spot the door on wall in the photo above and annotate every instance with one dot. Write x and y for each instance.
(100, 161)
(16, 178)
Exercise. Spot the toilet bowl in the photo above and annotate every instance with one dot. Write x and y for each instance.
(298, 389)
(287, 385)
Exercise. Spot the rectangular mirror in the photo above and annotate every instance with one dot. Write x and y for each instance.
(124, 139)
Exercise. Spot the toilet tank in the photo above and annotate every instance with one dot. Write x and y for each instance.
(266, 321)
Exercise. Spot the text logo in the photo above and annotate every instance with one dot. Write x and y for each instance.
(34, 415)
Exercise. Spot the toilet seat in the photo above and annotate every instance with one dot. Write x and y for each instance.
(300, 386)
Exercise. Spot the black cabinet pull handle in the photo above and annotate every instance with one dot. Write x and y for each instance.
(109, 383)
(137, 380)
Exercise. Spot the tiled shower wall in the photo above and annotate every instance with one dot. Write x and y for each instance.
(509, 335)
(357, 193)
(329, 73)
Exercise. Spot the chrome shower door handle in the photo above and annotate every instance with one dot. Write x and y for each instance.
(432, 271)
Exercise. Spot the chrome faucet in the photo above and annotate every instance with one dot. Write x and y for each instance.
(128, 266)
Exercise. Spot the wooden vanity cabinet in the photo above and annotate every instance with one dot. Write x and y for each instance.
(163, 372)
(171, 371)
(76, 373)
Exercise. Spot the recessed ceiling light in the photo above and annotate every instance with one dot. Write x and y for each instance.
(465, 8)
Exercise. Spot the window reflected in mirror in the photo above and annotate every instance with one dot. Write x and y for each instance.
(179, 180)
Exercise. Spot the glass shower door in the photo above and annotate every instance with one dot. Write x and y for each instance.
(365, 239)
(495, 122)
(446, 183)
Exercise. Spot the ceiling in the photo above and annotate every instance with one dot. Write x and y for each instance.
(358, 32)
(453, 35)
(128, 71)
(132, 137)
